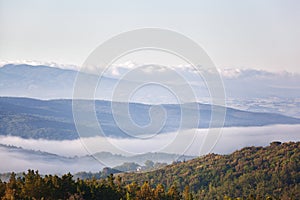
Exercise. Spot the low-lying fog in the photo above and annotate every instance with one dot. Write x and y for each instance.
(187, 143)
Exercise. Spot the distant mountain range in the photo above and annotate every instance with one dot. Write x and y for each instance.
(53, 119)
(44, 82)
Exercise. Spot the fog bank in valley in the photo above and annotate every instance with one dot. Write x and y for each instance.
(63, 157)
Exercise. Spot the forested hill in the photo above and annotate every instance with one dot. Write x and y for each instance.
(259, 171)
(53, 119)
(271, 172)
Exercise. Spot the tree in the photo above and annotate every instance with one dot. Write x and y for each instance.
(145, 192)
(12, 191)
(186, 193)
(132, 190)
(67, 186)
(173, 193)
(2, 188)
(159, 192)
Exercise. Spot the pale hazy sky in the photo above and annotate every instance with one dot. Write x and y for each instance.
(236, 34)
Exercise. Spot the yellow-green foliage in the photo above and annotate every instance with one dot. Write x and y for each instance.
(252, 173)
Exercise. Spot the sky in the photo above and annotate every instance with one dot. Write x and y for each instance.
(235, 34)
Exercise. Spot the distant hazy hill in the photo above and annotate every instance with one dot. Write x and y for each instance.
(36, 81)
(21, 159)
(53, 119)
(250, 172)
(44, 82)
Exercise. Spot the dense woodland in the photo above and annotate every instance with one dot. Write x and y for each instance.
(271, 172)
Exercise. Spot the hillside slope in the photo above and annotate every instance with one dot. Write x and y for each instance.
(252, 171)
(53, 119)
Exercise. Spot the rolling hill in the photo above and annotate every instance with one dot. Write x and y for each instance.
(53, 119)
(249, 173)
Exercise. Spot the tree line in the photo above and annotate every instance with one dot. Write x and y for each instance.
(52, 187)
